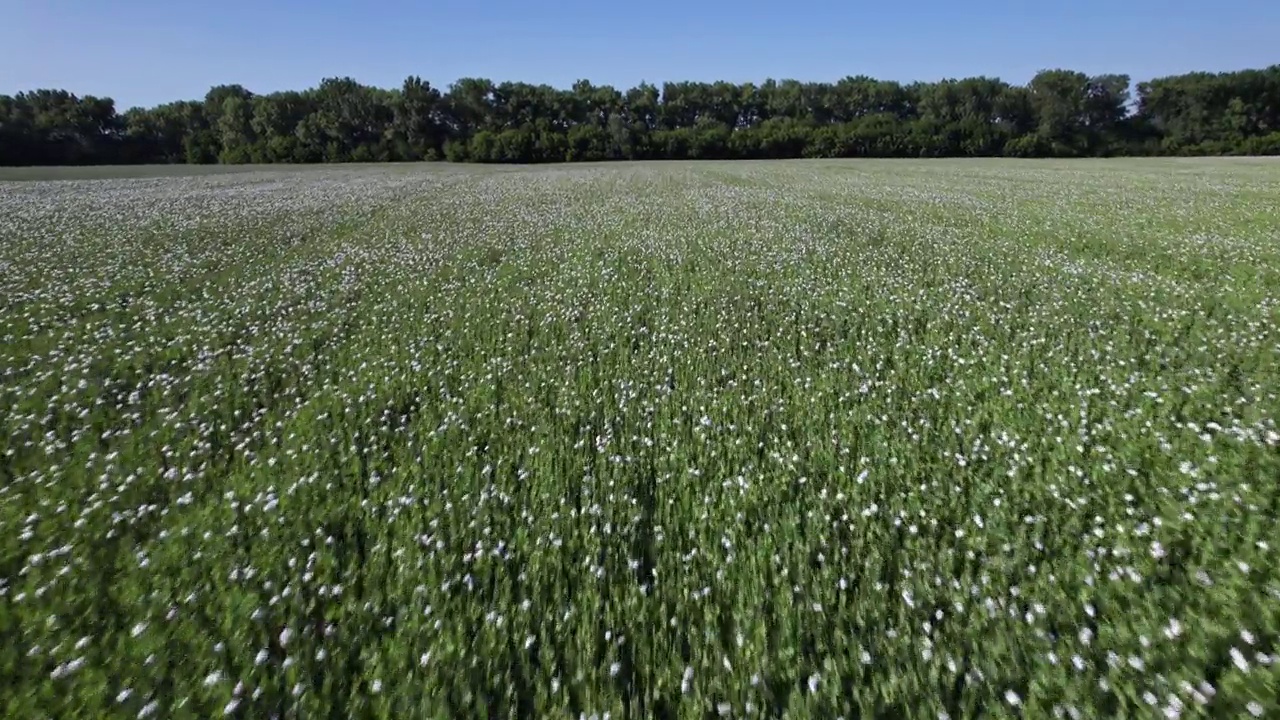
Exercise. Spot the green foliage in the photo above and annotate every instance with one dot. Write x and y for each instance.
(1264, 145)
(800, 439)
(456, 150)
(1058, 113)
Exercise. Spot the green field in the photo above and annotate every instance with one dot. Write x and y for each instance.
(684, 440)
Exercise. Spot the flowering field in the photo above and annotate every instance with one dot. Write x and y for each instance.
(934, 439)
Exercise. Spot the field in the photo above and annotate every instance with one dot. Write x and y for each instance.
(802, 439)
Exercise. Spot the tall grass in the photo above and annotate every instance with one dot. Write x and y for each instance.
(677, 440)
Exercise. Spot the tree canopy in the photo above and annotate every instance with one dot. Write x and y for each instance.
(1059, 113)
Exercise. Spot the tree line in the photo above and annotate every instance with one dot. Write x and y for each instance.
(1059, 113)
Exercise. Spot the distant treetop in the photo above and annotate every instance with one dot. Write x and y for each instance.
(1060, 113)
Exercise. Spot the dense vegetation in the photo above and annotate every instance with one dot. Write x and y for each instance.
(1059, 113)
(670, 440)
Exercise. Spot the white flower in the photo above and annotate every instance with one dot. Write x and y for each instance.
(67, 668)
(1238, 659)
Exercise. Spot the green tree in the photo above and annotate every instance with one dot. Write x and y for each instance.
(1059, 113)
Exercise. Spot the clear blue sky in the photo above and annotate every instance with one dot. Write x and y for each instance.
(143, 52)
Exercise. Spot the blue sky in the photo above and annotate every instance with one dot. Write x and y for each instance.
(143, 52)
